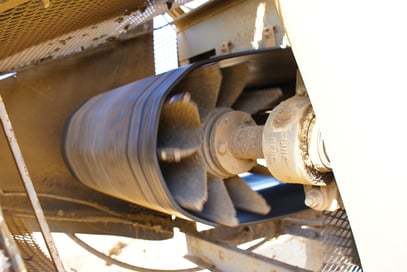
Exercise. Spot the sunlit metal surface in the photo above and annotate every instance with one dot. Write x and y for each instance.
(355, 79)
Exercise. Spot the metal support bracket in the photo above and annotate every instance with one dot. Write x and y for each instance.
(28, 185)
(220, 256)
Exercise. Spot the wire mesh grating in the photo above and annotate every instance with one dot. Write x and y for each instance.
(33, 256)
(30, 33)
(339, 249)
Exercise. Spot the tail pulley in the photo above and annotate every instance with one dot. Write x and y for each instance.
(179, 142)
(212, 91)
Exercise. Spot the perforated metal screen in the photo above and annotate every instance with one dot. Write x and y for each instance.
(30, 33)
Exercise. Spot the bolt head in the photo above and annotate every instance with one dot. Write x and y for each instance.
(61, 213)
(222, 148)
(310, 203)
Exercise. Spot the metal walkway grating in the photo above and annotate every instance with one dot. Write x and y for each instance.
(33, 256)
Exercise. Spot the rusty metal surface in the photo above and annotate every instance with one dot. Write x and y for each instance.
(29, 188)
(40, 99)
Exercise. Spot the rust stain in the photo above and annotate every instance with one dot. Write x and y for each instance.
(119, 20)
(220, 255)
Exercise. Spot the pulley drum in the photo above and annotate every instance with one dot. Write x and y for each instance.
(159, 142)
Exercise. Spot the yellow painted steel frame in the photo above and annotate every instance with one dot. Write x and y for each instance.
(352, 56)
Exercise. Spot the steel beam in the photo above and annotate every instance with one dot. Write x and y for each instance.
(220, 256)
(29, 188)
